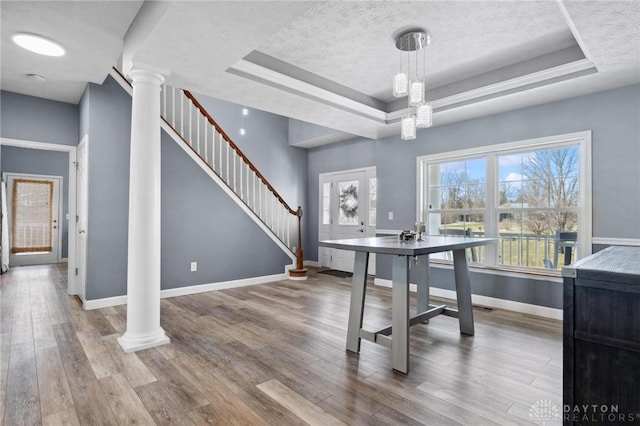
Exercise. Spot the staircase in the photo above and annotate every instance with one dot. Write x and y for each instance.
(191, 126)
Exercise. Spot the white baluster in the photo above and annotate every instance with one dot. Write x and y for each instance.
(289, 216)
(198, 129)
(190, 123)
(213, 146)
(182, 115)
(278, 217)
(267, 200)
(173, 106)
(164, 101)
(274, 218)
(266, 206)
(282, 218)
(241, 185)
(206, 150)
(260, 199)
(235, 176)
(228, 163)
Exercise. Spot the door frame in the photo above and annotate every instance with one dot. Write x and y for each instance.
(81, 273)
(71, 227)
(369, 171)
(17, 176)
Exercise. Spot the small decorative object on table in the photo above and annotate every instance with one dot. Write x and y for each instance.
(407, 235)
(421, 228)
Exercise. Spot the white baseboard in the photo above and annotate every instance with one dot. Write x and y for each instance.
(183, 291)
(491, 302)
(104, 303)
(313, 263)
(64, 260)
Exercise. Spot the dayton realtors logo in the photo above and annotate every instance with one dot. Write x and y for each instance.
(545, 411)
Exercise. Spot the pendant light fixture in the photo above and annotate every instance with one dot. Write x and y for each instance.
(411, 83)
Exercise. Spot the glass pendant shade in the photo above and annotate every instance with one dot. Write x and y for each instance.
(424, 116)
(408, 128)
(416, 93)
(400, 85)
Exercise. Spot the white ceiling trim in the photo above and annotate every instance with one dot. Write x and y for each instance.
(572, 27)
(515, 83)
(275, 79)
(279, 80)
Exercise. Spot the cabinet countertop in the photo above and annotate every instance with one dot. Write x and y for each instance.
(623, 261)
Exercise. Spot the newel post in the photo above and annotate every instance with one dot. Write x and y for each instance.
(300, 272)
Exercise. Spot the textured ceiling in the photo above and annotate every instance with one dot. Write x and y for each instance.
(608, 31)
(330, 63)
(91, 33)
(353, 43)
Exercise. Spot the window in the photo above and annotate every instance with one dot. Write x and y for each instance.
(373, 199)
(326, 203)
(533, 196)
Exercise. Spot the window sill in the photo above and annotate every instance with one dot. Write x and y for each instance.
(550, 276)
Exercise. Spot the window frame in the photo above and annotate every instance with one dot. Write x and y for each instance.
(491, 152)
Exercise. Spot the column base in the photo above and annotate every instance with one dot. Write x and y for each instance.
(137, 343)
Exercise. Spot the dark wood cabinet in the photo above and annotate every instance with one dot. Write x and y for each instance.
(602, 338)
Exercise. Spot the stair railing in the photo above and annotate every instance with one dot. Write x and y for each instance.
(191, 121)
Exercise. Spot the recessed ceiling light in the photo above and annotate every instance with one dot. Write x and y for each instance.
(245, 111)
(38, 44)
(243, 132)
(37, 77)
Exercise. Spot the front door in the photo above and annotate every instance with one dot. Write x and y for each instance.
(348, 204)
(34, 219)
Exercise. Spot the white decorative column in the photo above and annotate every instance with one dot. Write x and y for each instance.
(143, 274)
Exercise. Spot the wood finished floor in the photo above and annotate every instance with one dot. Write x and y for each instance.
(268, 354)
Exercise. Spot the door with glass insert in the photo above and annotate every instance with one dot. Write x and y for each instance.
(34, 223)
(349, 215)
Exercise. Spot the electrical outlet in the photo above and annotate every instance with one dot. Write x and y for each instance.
(194, 266)
(390, 216)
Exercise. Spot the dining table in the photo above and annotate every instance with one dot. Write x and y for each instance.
(405, 253)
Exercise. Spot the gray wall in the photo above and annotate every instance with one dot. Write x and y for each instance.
(199, 222)
(36, 119)
(106, 116)
(40, 162)
(613, 118)
(303, 132)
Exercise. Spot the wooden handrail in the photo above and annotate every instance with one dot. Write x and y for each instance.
(239, 152)
(235, 147)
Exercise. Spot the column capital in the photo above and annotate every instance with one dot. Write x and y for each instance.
(141, 75)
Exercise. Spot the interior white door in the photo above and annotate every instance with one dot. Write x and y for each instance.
(81, 212)
(34, 203)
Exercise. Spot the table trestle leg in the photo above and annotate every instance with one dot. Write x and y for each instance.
(463, 291)
(400, 314)
(422, 276)
(356, 307)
